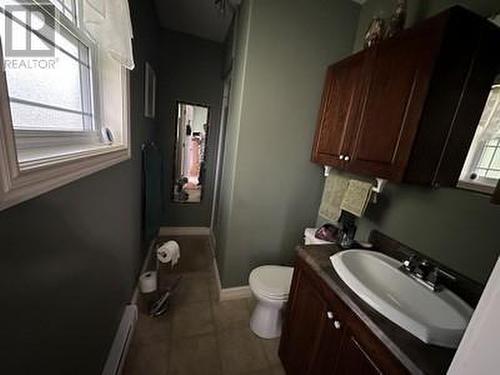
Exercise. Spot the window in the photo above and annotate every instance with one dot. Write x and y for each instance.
(51, 87)
(482, 168)
(63, 98)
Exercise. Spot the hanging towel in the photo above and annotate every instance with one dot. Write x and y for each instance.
(153, 190)
(333, 195)
(357, 197)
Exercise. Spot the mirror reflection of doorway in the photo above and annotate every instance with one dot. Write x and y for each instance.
(190, 158)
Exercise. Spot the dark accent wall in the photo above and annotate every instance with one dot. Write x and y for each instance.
(69, 258)
(191, 72)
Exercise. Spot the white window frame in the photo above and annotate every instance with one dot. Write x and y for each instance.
(480, 184)
(22, 181)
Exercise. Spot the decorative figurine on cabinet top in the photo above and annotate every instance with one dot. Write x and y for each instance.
(375, 32)
(397, 20)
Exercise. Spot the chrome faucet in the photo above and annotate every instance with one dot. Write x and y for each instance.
(425, 272)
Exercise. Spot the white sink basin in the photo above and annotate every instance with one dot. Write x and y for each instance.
(438, 318)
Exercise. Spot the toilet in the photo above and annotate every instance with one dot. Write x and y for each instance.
(270, 285)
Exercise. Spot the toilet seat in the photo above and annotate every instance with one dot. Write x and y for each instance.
(272, 282)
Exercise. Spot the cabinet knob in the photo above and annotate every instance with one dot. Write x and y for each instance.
(329, 315)
(341, 157)
(337, 324)
(347, 158)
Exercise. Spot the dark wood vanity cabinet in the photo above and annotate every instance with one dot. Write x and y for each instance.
(407, 109)
(322, 336)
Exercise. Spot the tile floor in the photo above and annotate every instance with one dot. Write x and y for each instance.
(199, 334)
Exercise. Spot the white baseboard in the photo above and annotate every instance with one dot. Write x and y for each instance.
(184, 231)
(121, 343)
(227, 294)
(217, 279)
(144, 267)
(212, 242)
(239, 292)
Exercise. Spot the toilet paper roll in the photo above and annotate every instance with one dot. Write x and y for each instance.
(170, 251)
(147, 282)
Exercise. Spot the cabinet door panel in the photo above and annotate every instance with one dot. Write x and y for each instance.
(329, 346)
(355, 360)
(339, 110)
(304, 326)
(400, 74)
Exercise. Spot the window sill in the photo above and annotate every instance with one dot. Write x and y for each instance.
(480, 188)
(35, 177)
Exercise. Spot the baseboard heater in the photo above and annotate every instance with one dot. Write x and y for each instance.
(117, 354)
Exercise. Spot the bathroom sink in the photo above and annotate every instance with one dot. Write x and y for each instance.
(438, 318)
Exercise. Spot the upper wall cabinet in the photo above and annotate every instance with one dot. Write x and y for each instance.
(407, 109)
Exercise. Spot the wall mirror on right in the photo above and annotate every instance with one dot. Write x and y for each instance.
(190, 152)
(481, 170)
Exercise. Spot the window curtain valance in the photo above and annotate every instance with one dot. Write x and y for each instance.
(108, 23)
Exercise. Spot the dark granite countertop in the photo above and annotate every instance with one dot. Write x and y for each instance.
(415, 355)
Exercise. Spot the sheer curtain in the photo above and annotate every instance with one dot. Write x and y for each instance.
(108, 23)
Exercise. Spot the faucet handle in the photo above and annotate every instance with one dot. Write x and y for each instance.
(409, 263)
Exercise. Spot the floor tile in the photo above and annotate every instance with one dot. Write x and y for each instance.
(278, 370)
(152, 329)
(196, 255)
(150, 359)
(192, 288)
(241, 352)
(192, 319)
(251, 302)
(197, 355)
(271, 347)
(198, 334)
(230, 314)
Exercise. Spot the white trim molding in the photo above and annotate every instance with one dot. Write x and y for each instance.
(19, 183)
(144, 268)
(121, 343)
(227, 294)
(217, 279)
(184, 231)
(239, 292)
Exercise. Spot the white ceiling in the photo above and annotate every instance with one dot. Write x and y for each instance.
(196, 17)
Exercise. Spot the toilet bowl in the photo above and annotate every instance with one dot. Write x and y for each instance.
(270, 286)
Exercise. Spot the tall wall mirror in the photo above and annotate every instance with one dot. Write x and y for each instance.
(190, 152)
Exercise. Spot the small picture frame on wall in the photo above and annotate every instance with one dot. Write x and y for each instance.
(149, 91)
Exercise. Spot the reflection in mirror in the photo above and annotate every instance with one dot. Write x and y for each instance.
(190, 152)
(481, 170)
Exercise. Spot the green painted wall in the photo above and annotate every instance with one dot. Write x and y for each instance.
(191, 72)
(223, 220)
(69, 259)
(456, 227)
(271, 190)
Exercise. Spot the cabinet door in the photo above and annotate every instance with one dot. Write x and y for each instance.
(339, 110)
(305, 325)
(363, 354)
(329, 345)
(399, 76)
(354, 359)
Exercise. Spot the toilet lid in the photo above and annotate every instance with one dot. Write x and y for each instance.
(271, 281)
